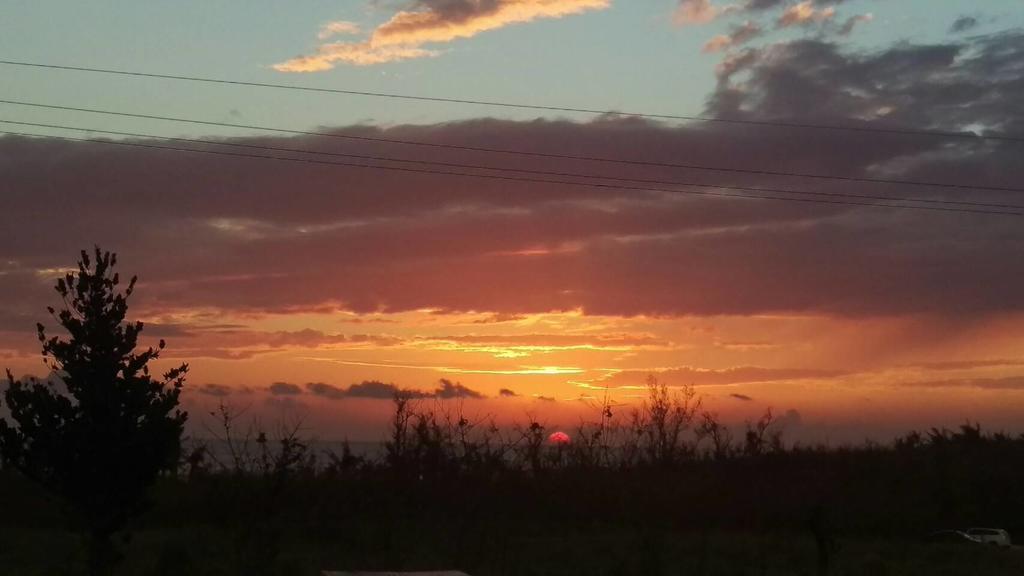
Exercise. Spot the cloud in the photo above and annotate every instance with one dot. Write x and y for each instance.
(449, 389)
(742, 397)
(507, 393)
(762, 5)
(357, 54)
(804, 13)
(336, 28)
(305, 338)
(500, 318)
(971, 364)
(432, 22)
(445, 20)
(367, 389)
(374, 389)
(548, 342)
(216, 390)
(789, 14)
(284, 389)
(695, 12)
(326, 390)
(688, 375)
(767, 5)
(1006, 383)
(963, 24)
(263, 237)
(718, 43)
(847, 28)
(937, 85)
(737, 36)
(239, 343)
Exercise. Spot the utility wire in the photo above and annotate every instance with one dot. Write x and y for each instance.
(515, 152)
(493, 103)
(512, 178)
(522, 170)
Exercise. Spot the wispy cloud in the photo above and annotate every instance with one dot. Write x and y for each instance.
(403, 36)
(803, 14)
(753, 18)
(688, 375)
(522, 345)
(970, 364)
(338, 28)
(444, 21)
(357, 54)
(524, 371)
(738, 35)
(235, 343)
(963, 24)
(853, 21)
(695, 12)
(1006, 383)
(518, 371)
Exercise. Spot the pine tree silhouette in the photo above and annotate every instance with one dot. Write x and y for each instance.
(102, 429)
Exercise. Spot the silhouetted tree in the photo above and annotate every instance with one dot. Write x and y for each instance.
(761, 436)
(101, 431)
(658, 425)
(719, 434)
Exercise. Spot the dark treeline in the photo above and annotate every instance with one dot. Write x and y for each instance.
(664, 489)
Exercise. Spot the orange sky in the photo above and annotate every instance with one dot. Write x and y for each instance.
(845, 378)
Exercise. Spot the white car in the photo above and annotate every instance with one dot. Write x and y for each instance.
(994, 536)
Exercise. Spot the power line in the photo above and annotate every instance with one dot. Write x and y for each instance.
(500, 104)
(515, 152)
(512, 178)
(522, 170)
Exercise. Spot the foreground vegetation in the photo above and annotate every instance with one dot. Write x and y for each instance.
(664, 490)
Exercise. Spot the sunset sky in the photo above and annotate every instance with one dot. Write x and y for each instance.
(312, 290)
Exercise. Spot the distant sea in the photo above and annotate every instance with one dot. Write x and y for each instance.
(220, 451)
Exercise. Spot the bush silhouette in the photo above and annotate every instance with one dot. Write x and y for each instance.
(100, 434)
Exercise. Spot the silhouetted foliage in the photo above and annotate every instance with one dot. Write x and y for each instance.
(101, 429)
(251, 476)
(464, 494)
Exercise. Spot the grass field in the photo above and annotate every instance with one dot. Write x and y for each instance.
(211, 550)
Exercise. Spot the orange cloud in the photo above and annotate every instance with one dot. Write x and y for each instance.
(518, 371)
(853, 21)
(523, 345)
(355, 53)
(238, 344)
(739, 35)
(336, 28)
(677, 376)
(695, 12)
(434, 25)
(402, 37)
(804, 13)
